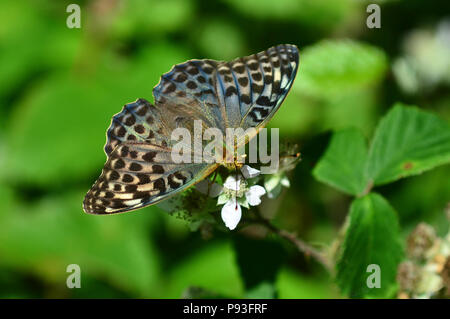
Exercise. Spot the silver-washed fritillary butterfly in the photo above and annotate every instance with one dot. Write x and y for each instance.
(139, 170)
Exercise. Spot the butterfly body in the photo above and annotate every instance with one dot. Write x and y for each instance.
(244, 93)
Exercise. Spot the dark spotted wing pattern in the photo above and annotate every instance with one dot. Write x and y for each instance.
(139, 170)
(137, 122)
(270, 83)
(243, 93)
(137, 174)
(190, 89)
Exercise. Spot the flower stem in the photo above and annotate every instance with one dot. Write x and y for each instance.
(301, 246)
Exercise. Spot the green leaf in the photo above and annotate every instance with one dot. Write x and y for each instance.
(46, 236)
(343, 164)
(431, 194)
(57, 132)
(298, 285)
(212, 268)
(323, 14)
(264, 290)
(407, 141)
(332, 68)
(259, 262)
(210, 31)
(151, 17)
(29, 35)
(195, 292)
(372, 237)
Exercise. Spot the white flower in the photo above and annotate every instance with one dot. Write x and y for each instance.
(249, 172)
(231, 213)
(254, 194)
(234, 188)
(274, 183)
(232, 183)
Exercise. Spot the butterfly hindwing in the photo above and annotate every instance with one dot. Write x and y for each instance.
(139, 170)
(138, 174)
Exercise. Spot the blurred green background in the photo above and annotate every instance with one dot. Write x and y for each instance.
(59, 88)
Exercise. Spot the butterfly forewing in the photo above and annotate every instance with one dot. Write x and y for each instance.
(270, 75)
(245, 92)
(137, 122)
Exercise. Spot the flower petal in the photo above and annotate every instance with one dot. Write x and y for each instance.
(275, 192)
(231, 213)
(232, 183)
(285, 182)
(271, 182)
(254, 194)
(249, 172)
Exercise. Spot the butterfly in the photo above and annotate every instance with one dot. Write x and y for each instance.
(139, 170)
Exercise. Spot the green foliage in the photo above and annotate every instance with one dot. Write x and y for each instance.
(75, 111)
(372, 237)
(200, 293)
(220, 40)
(407, 142)
(343, 164)
(293, 285)
(150, 17)
(323, 14)
(259, 281)
(212, 268)
(59, 88)
(332, 68)
(114, 249)
(22, 21)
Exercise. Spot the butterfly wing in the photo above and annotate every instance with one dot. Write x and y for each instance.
(190, 89)
(139, 174)
(270, 76)
(245, 92)
(139, 170)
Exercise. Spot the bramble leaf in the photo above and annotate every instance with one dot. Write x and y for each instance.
(372, 238)
(407, 141)
(343, 164)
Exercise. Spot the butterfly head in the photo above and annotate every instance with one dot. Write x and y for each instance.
(235, 163)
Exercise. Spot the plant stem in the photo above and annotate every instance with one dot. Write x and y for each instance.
(301, 246)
